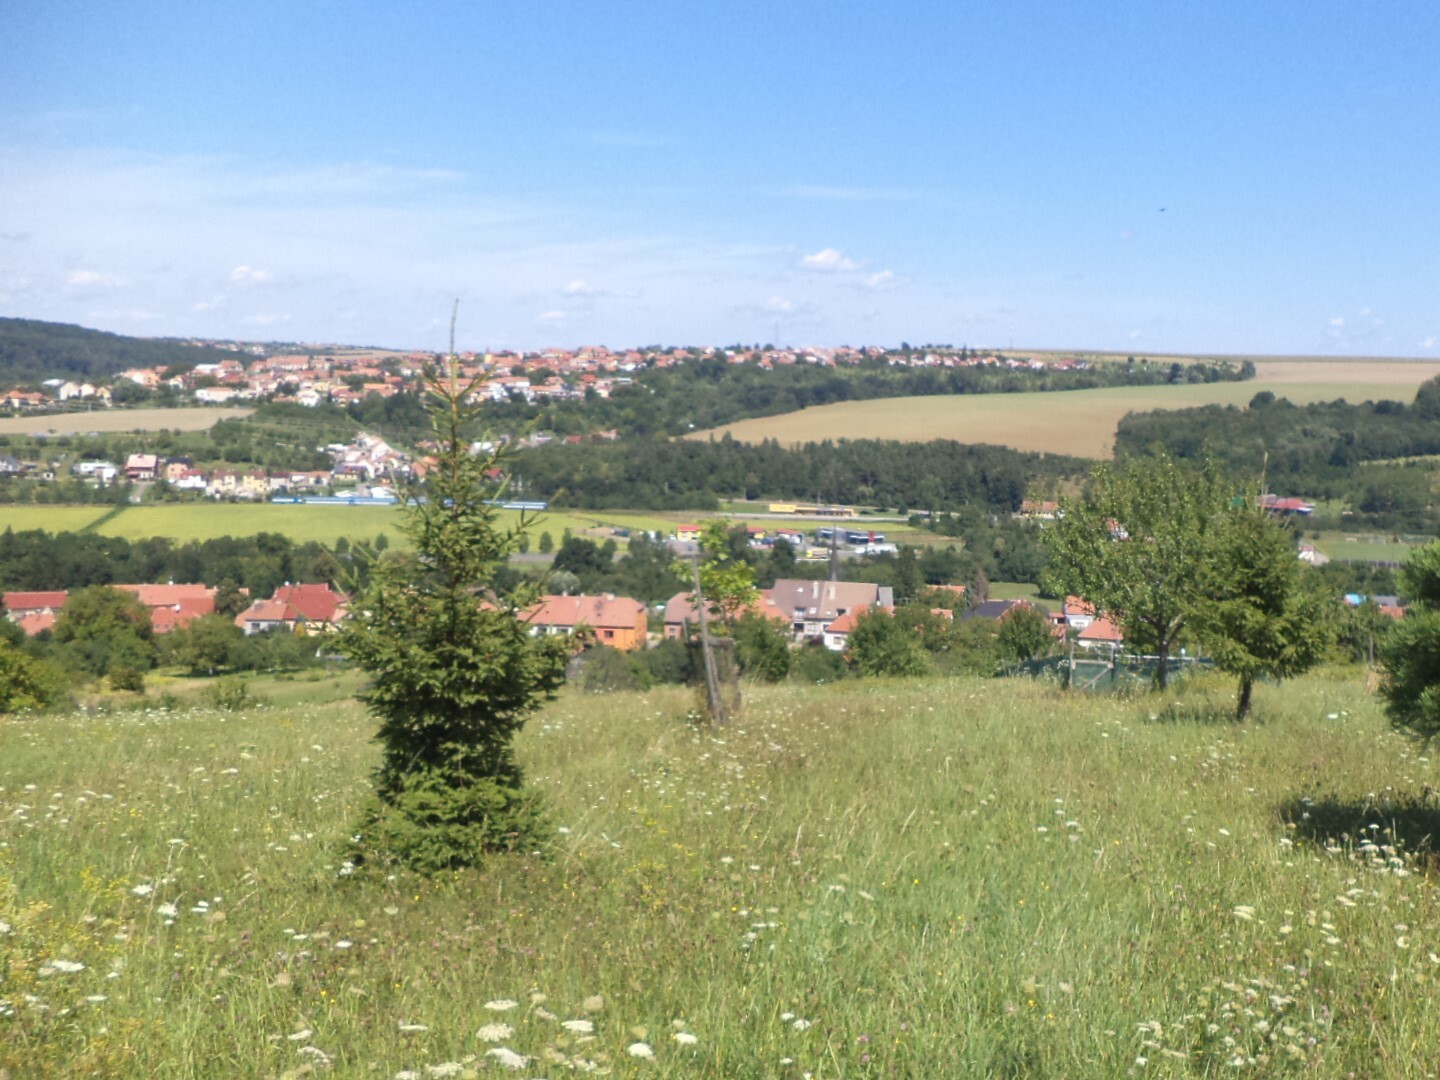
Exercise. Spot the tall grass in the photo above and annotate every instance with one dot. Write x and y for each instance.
(952, 878)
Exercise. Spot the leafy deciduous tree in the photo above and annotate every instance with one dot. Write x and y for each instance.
(1136, 546)
(1259, 612)
(106, 630)
(881, 645)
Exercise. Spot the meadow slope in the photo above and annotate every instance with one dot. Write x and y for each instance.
(947, 878)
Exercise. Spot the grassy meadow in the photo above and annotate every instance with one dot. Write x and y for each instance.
(183, 522)
(23, 516)
(919, 879)
(1079, 422)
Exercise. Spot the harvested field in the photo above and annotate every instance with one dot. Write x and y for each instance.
(111, 420)
(1079, 422)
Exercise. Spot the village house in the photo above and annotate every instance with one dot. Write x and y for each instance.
(141, 467)
(617, 621)
(813, 605)
(681, 616)
(303, 609)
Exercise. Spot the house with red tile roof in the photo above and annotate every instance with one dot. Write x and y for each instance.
(308, 609)
(20, 604)
(617, 621)
(681, 616)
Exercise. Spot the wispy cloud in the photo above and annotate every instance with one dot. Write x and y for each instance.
(829, 259)
(93, 279)
(249, 275)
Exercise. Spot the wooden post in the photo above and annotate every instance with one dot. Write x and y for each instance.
(712, 682)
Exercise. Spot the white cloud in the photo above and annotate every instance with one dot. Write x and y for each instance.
(780, 305)
(1338, 320)
(86, 279)
(580, 287)
(884, 279)
(829, 259)
(552, 316)
(1428, 343)
(249, 275)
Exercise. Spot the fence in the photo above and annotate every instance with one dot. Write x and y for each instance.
(1101, 674)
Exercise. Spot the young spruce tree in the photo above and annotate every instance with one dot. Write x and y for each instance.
(454, 671)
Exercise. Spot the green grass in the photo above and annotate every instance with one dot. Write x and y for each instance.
(49, 518)
(324, 524)
(1021, 590)
(1364, 548)
(954, 878)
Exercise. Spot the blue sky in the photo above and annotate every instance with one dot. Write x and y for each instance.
(1232, 177)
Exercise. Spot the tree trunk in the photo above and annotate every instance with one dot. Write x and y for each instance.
(1162, 654)
(1242, 710)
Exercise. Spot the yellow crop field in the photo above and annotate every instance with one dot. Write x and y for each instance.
(1080, 422)
(112, 420)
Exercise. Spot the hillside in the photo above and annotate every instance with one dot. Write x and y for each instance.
(32, 351)
(946, 878)
(1079, 422)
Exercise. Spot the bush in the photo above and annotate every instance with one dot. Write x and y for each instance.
(229, 692)
(606, 670)
(131, 679)
(817, 664)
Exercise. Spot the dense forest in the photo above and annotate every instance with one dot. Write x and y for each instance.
(1363, 455)
(692, 475)
(32, 351)
(702, 394)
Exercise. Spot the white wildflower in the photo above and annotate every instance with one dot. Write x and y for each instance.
(501, 1005)
(801, 1023)
(507, 1057)
(300, 1036)
(495, 1033)
(579, 1027)
(143, 890)
(640, 1050)
(684, 1038)
(411, 1029)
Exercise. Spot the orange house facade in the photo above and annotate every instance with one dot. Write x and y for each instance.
(617, 621)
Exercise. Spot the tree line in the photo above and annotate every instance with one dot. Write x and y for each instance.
(34, 559)
(1328, 450)
(694, 475)
(700, 394)
(32, 351)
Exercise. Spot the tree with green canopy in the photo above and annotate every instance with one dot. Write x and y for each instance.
(1135, 546)
(1410, 653)
(1260, 612)
(106, 630)
(454, 670)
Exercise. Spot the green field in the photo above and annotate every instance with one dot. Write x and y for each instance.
(930, 879)
(50, 518)
(323, 524)
(1363, 549)
(1080, 422)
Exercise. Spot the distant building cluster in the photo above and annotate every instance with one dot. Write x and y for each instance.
(347, 375)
